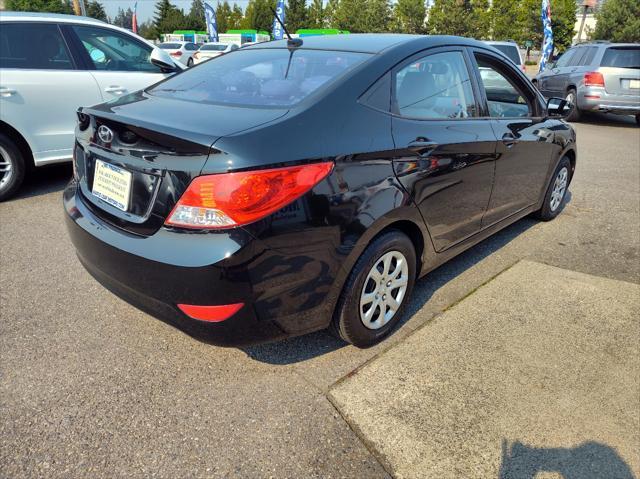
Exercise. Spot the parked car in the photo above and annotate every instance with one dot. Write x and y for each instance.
(181, 51)
(602, 77)
(212, 50)
(49, 66)
(243, 203)
(511, 50)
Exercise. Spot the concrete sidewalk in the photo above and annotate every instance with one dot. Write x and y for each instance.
(535, 371)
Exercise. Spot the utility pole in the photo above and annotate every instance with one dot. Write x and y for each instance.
(79, 8)
(587, 4)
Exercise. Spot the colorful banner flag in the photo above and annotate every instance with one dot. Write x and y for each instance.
(212, 24)
(547, 42)
(134, 18)
(278, 32)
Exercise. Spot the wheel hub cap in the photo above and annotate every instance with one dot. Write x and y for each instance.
(559, 189)
(6, 167)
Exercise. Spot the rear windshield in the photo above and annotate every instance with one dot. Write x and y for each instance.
(622, 58)
(511, 51)
(218, 48)
(170, 46)
(260, 77)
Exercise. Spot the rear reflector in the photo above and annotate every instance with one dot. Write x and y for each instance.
(228, 200)
(176, 54)
(593, 79)
(213, 314)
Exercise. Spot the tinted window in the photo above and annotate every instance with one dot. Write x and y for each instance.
(563, 61)
(588, 58)
(33, 45)
(170, 46)
(191, 46)
(260, 77)
(217, 48)
(576, 58)
(618, 57)
(510, 51)
(436, 86)
(504, 98)
(114, 51)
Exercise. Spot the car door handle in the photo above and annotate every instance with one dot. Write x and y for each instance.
(421, 147)
(509, 140)
(116, 89)
(7, 92)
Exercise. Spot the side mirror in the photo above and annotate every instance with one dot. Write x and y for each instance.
(163, 60)
(558, 107)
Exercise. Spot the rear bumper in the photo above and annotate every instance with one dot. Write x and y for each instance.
(597, 99)
(171, 267)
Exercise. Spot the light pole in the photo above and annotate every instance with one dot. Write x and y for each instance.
(587, 4)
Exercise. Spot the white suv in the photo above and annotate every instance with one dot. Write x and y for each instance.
(49, 66)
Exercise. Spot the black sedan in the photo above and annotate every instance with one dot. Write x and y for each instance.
(294, 186)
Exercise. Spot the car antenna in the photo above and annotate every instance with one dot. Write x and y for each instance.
(291, 42)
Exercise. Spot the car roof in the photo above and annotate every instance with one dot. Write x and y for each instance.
(371, 42)
(506, 43)
(48, 17)
(183, 42)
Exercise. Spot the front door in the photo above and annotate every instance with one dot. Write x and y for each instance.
(444, 152)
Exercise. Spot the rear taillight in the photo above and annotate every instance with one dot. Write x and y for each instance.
(593, 79)
(227, 200)
(176, 54)
(196, 55)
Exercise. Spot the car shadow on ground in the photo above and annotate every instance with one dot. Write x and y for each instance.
(606, 119)
(302, 348)
(44, 180)
(589, 460)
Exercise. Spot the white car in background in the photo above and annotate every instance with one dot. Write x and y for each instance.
(511, 50)
(180, 51)
(212, 50)
(49, 66)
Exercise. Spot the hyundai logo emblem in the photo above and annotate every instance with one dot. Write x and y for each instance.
(105, 134)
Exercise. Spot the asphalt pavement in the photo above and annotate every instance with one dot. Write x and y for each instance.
(90, 386)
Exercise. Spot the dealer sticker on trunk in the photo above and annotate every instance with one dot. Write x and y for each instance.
(112, 184)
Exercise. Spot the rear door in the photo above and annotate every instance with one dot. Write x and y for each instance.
(41, 87)
(555, 84)
(620, 66)
(444, 151)
(119, 62)
(524, 144)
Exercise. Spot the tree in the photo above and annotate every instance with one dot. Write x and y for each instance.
(350, 15)
(467, 18)
(409, 16)
(50, 6)
(563, 22)
(223, 16)
(296, 15)
(167, 18)
(377, 16)
(503, 15)
(330, 14)
(258, 15)
(123, 18)
(618, 21)
(147, 30)
(236, 18)
(96, 10)
(195, 20)
(315, 14)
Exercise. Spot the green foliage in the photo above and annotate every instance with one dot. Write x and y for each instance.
(223, 16)
(563, 22)
(409, 16)
(503, 15)
(195, 20)
(147, 30)
(618, 21)
(315, 14)
(258, 15)
(361, 15)
(50, 6)
(123, 18)
(467, 18)
(96, 10)
(295, 15)
(168, 18)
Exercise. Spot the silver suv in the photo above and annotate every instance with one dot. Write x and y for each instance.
(595, 77)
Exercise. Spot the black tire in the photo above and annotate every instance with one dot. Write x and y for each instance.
(574, 114)
(548, 212)
(10, 157)
(347, 322)
(190, 62)
(638, 119)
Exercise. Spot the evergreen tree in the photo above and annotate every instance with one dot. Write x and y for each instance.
(124, 18)
(350, 15)
(315, 14)
(296, 15)
(258, 15)
(618, 21)
(467, 18)
(223, 16)
(195, 19)
(96, 10)
(563, 22)
(409, 16)
(236, 18)
(377, 16)
(330, 10)
(503, 15)
(49, 6)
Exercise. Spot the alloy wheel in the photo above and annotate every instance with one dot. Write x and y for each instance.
(6, 167)
(559, 189)
(384, 290)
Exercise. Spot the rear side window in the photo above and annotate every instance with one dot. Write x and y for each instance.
(619, 57)
(260, 77)
(33, 46)
(170, 46)
(576, 58)
(217, 48)
(510, 51)
(563, 61)
(587, 58)
(435, 86)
